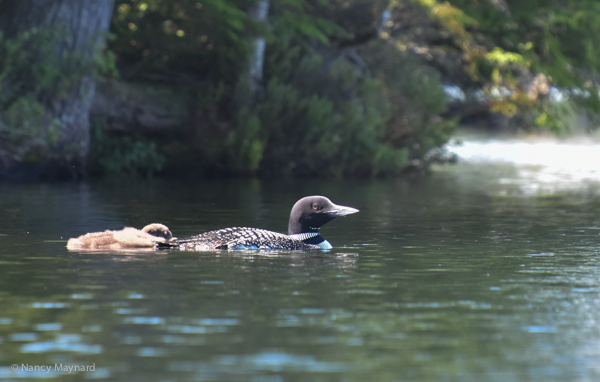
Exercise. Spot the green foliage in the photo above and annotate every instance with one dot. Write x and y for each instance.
(21, 133)
(28, 65)
(202, 40)
(106, 64)
(416, 98)
(246, 146)
(339, 96)
(502, 43)
(330, 118)
(296, 22)
(31, 73)
(320, 113)
(122, 155)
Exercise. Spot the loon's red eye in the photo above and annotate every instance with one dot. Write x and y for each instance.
(316, 207)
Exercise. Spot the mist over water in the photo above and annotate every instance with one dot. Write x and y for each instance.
(541, 164)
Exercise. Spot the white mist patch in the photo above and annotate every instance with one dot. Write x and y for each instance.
(543, 164)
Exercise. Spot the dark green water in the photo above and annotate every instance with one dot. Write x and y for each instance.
(460, 276)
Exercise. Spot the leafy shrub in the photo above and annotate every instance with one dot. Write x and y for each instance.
(416, 97)
(122, 155)
(323, 115)
(315, 119)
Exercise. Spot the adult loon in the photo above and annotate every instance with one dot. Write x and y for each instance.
(127, 238)
(307, 216)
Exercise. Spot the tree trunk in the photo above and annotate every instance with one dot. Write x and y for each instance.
(259, 12)
(85, 23)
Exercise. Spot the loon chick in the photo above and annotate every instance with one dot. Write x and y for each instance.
(126, 238)
(307, 216)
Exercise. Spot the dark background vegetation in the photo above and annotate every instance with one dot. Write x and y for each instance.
(342, 87)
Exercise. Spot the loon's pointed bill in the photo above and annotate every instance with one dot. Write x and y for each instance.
(342, 210)
(308, 215)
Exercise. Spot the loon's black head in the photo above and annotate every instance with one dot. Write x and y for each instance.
(311, 212)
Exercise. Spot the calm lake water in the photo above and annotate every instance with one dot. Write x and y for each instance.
(484, 271)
